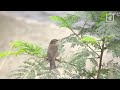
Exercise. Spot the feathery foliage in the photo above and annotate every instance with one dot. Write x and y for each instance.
(107, 33)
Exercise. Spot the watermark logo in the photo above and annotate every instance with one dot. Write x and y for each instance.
(117, 13)
(110, 17)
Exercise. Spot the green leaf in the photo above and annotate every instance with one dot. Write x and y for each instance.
(9, 53)
(71, 19)
(60, 20)
(22, 47)
(89, 39)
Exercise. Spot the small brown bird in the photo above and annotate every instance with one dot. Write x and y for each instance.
(52, 52)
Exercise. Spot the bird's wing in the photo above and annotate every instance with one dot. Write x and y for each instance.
(52, 51)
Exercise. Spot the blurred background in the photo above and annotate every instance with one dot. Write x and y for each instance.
(41, 16)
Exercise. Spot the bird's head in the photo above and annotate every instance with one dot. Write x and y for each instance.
(54, 41)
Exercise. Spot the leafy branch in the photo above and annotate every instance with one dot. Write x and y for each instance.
(100, 28)
(65, 24)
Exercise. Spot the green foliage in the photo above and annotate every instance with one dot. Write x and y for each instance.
(22, 47)
(73, 40)
(114, 47)
(34, 67)
(66, 21)
(108, 31)
(61, 21)
(28, 48)
(7, 53)
(79, 60)
(89, 40)
(29, 69)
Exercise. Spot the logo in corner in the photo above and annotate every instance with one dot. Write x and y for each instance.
(110, 17)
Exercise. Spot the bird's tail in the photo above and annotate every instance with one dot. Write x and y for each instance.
(52, 64)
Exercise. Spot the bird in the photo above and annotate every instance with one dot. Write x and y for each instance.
(52, 52)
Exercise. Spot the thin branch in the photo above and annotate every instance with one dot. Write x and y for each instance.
(66, 37)
(83, 42)
(101, 56)
(80, 38)
(99, 45)
(93, 58)
(83, 26)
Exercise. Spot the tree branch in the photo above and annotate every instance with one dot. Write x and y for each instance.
(93, 58)
(83, 42)
(80, 38)
(101, 56)
(83, 26)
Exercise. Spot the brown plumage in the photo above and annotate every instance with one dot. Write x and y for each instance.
(52, 52)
